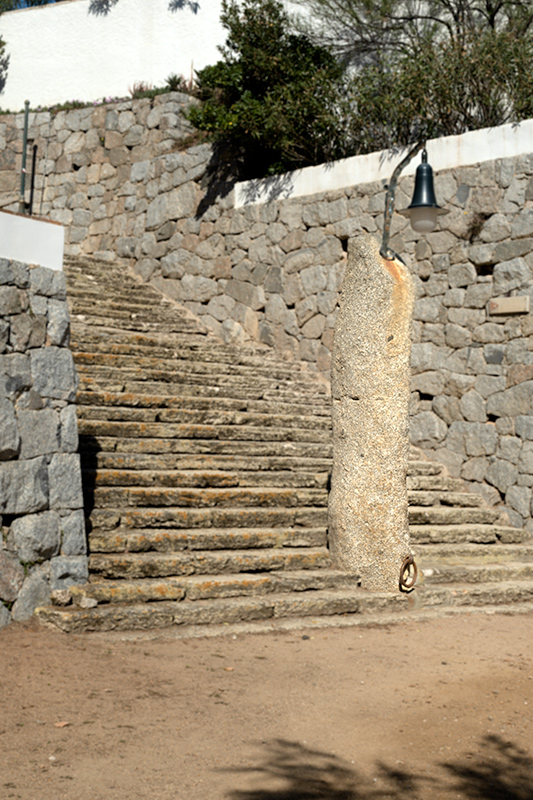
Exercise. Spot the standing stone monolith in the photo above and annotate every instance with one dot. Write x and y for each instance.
(368, 510)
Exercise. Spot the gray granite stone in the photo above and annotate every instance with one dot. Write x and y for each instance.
(9, 432)
(65, 481)
(73, 538)
(36, 536)
(427, 430)
(68, 437)
(68, 571)
(502, 475)
(39, 432)
(24, 486)
(53, 373)
(11, 577)
(5, 616)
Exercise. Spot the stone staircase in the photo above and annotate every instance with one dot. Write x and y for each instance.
(206, 470)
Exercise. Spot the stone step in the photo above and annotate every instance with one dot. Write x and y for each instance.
(202, 587)
(169, 430)
(135, 365)
(257, 390)
(175, 323)
(236, 380)
(206, 562)
(460, 533)
(429, 483)
(236, 464)
(444, 497)
(424, 468)
(201, 338)
(204, 478)
(156, 496)
(209, 351)
(327, 607)
(199, 403)
(213, 447)
(123, 540)
(445, 515)
(108, 519)
(219, 417)
(461, 553)
(437, 573)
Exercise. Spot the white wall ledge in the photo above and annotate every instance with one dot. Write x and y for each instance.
(488, 144)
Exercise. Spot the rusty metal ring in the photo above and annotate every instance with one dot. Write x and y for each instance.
(408, 574)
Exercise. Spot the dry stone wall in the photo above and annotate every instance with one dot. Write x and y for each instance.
(124, 184)
(43, 547)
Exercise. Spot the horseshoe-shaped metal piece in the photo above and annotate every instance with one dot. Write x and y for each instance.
(408, 574)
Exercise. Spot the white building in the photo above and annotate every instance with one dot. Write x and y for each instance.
(74, 51)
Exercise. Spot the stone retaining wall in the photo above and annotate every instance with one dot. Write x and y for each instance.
(121, 181)
(43, 546)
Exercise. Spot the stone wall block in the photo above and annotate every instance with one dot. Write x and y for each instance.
(39, 432)
(54, 374)
(48, 283)
(58, 328)
(68, 571)
(9, 432)
(68, 438)
(502, 475)
(72, 533)
(511, 275)
(427, 429)
(65, 481)
(472, 407)
(12, 300)
(24, 486)
(35, 592)
(11, 577)
(461, 275)
(36, 536)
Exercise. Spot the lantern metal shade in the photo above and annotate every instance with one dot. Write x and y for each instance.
(424, 209)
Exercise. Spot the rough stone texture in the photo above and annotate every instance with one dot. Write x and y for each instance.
(276, 269)
(368, 519)
(36, 536)
(35, 592)
(40, 474)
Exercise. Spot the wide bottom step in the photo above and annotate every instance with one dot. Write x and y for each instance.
(327, 603)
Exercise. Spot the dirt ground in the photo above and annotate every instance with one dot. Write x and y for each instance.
(430, 710)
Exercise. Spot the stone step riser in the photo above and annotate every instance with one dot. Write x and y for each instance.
(92, 414)
(169, 430)
(479, 574)
(229, 464)
(172, 541)
(176, 518)
(196, 363)
(209, 447)
(118, 497)
(438, 534)
(195, 403)
(155, 565)
(213, 586)
(461, 554)
(203, 480)
(223, 390)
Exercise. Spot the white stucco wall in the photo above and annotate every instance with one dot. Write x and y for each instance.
(63, 52)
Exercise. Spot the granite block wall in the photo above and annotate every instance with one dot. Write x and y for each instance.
(127, 186)
(43, 546)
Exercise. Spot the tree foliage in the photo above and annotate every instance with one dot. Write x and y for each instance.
(480, 81)
(370, 31)
(274, 102)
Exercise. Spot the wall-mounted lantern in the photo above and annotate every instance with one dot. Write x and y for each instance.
(424, 209)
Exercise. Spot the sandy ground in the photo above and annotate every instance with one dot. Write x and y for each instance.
(439, 709)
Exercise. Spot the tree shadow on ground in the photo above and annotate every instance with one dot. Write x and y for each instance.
(292, 771)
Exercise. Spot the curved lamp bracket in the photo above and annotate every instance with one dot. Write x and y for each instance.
(385, 250)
